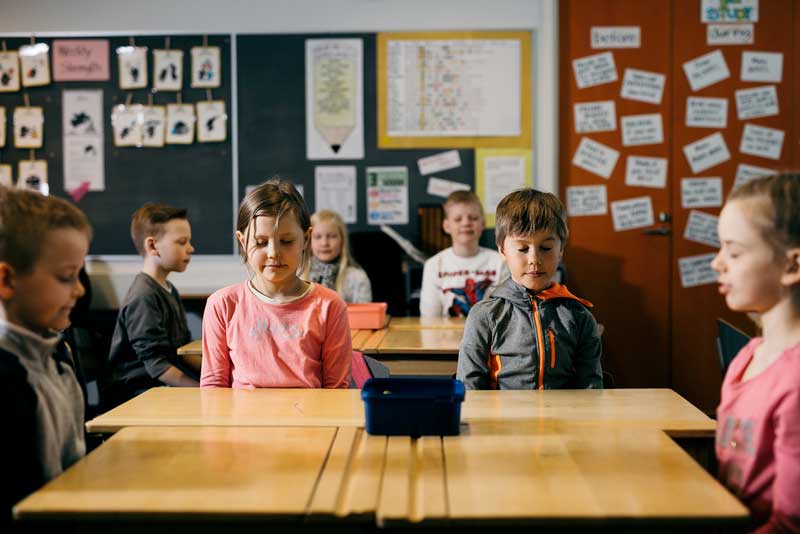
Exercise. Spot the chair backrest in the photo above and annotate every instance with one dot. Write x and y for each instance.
(364, 368)
(730, 340)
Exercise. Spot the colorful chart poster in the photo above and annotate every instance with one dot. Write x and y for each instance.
(387, 195)
(334, 99)
(454, 88)
(499, 171)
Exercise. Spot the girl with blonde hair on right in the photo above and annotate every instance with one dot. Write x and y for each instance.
(758, 418)
(331, 263)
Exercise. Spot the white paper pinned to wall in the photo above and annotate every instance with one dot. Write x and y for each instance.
(701, 192)
(706, 70)
(761, 141)
(701, 228)
(585, 200)
(632, 213)
(696, 270)
(595, 157)
(706, 152)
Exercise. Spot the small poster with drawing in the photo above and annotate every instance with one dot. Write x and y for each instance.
(206, 67)
(180, 124)
(132, 61)
(32, 175)
(9, 72)
(6, 179)
(127, 124)
(168, 70)
(28, 127)
(35, 64)
(154, 119)
(212, 121)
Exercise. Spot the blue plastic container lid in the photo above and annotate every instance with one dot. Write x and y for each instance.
(413, 388)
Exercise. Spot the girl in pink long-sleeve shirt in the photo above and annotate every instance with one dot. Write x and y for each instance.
(758, 419)
(275, 329)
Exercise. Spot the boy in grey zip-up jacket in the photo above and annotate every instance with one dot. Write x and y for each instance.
(531, 333)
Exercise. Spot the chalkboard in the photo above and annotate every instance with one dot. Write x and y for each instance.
(272, 125)
(197, 176)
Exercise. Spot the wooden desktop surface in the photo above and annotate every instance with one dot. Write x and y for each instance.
(221, 472)
(545, 472)
(637, 408)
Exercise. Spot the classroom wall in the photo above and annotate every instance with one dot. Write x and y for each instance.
(112, 275)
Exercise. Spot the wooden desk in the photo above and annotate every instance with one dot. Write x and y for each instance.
(214, 473)
(543, 458)
(639, 408)
(166, 406)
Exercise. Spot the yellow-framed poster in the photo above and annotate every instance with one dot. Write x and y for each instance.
(454, 89)
(499, 171)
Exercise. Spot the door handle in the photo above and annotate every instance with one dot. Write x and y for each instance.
(661, 230)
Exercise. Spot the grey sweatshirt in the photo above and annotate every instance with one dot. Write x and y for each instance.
(44, 407)
(513, 340)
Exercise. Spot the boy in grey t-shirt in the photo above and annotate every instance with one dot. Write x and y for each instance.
(151, 324)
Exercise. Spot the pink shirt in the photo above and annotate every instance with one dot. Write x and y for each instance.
(249, 343)
(758, 438)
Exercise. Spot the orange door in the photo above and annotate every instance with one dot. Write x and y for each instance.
(696, 371)
(626, 274)
(658, 332)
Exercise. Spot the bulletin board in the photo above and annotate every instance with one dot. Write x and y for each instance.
(198, 176)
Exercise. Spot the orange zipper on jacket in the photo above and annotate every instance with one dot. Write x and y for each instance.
(552, 348)
(540, 339)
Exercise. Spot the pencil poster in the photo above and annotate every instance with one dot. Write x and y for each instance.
(212, 121)
(206, 67)
(168, 70)
(132, 61)
(9, 72)
(334, 99)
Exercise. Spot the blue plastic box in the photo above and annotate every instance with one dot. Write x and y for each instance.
(413, 406)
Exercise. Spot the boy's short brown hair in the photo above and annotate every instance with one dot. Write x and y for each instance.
(462, 197)
(526, 211)
(149, 221)
(25, 219)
